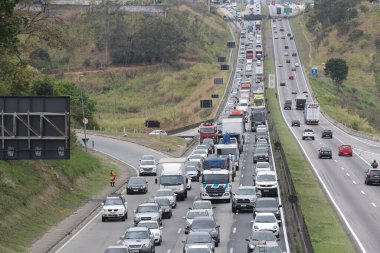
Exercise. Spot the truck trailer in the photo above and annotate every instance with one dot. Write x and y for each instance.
(311, 113)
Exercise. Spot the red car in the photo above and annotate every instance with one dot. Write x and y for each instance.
(345, 150)
(291, 77)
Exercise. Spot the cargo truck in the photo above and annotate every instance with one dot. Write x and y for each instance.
(300, 102)
(257, 118)
(311, 113)
(171, 174)
(207, 130)
(235, 128)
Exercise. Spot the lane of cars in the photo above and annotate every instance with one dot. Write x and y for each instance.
(344, 177)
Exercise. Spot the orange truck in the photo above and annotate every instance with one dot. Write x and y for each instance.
(207, 130)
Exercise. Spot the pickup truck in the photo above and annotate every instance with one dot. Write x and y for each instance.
(308, 134)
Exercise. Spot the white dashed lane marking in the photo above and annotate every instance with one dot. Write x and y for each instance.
(234, 230)
(179, 230)
(362, 192)
(373, 204)
(353, 181)
(348, 174)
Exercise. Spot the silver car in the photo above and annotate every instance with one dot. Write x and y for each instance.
(154, 228)
(138, 239)
(147, 167)
(245, 198)
(169, 194)
(198, 238)
(190, 216)
(148, 211)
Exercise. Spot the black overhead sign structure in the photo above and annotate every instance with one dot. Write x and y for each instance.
(152, 123)
(34, 128)
(224, 67)
(214, 96)
(206, 103)
(218, 80)
(231, 44)
(221, 58)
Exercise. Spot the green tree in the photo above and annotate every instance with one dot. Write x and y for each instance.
(9, 26)
(43, 87)
(40, 58)
(337, 69)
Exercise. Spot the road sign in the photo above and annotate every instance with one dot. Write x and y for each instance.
(224, 67)
(314, 71)
(85, 121)
(221, 58)
(206, 103)
(231, 44)
(214, 96)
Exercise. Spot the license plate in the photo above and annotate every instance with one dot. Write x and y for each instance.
(135, 190)
(376, 176)
(134, 250)
(243, 205)
(266, 190)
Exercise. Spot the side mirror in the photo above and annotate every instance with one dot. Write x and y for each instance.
(103, 201)
(150, 236)
(161, 227)
(187, 180)
(155, 180)
(121, 237)
(279, 206)
(213, 207)
(259, 194)
(190, 208)
(183, 241)
(247, 239)
(217, 226)
(184, 217)
(233, 194)
(134, 211)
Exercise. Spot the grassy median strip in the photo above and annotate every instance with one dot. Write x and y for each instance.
(35, 195)
(326, 231)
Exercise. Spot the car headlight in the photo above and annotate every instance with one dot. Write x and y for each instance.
(105, 209)
(181, 188)
(145, 245)
(275, 227)
(157, 234)
(277, 212)
(155, 218)
(252, 200)
(214, 233)
(251, 245)
(256, 227)
(136, 218)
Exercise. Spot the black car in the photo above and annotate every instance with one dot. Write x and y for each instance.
(206, 224)
(288, 105)
(260, 155)
(294, 54)
(296, 123)
(137, 185)
(286, 47)
(287, 61)
(267, 205)
(165, 205)
(327, 133)
(282, 83)
(372, 176)
(324, 152)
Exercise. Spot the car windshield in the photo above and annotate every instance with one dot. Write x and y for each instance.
(147, 162)
(208, 141)
(171, 180)
(246, 191)
(195, 156)
(268, 249)
(262, 165)
(163, 201)
(198, 250)
(265, 178)
(202, 205)
(199, 152)
(151, 225)
(265, 219)
(147, 157)
(164, 193)
(345, 147)
(191, 168)
(216, 179)
(193, 214)
(227, 151)
(261, 150)
(209, 223)
(146, 209)
(263, 236)
(196, 238)
(136, 180)
(202, 147)
(113, 202)
(136, 235)
(263, 202)
(209, 130)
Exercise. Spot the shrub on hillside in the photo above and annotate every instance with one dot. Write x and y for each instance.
(363, 44)
(364, 8)
(355, 35)
(377, 43)
(40, 58)
(87, 63)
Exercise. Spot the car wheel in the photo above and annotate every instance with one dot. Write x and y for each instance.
(228, 200)
(103, 219)
(216, 243)
(233, 209)
(303, 138)
(366, 182)
(123, 218)
(312, 138)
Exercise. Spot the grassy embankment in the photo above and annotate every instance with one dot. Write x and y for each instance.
(36, 195)
(126, 96)
(324, 226)
(358, 103)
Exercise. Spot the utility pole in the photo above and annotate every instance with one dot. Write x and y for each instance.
(83, 116)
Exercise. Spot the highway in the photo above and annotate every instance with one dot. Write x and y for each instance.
(95, 236)
(342, 177)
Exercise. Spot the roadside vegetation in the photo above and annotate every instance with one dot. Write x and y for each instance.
(350, 33)
(36, 195)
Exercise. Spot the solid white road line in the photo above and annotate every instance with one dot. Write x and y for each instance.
(342, 168)
(179, 230)
(353, 181)
(234, 230)
(362, 192)
(373, 204)
(231, 250)
(169, 250)
(348, 174)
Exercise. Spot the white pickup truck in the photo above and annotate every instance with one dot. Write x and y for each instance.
(308, 134)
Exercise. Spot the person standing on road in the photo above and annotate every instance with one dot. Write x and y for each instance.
(112, 178)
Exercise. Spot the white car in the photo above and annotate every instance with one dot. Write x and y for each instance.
(266, 222)
(266, 182)
(169, 194)
(114, 207)
(194, 157)
(147, 167)
(263, 166)
(203, 205)
(197, 248)
(296, 64)
(158, 132)
(190, 215)
(202, 152)
(154, 228)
